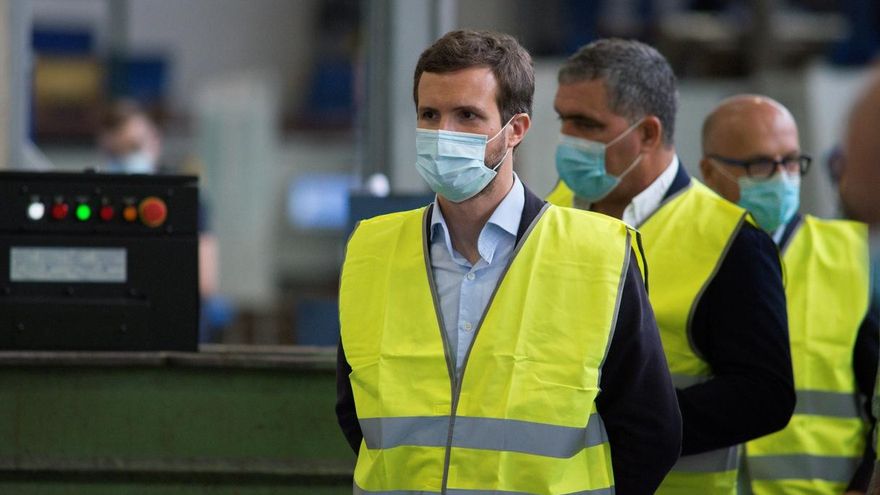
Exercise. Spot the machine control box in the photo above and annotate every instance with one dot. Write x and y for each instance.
(93, 261)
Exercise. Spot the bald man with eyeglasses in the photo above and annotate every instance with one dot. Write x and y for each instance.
(752, 156)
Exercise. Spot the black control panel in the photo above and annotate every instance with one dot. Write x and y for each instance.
(94, 261)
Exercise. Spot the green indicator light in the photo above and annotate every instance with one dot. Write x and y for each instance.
(83, 212)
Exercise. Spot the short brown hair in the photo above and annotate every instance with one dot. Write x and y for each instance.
(511, 65)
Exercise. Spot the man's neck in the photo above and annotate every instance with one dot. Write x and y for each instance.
(611, 208)
(656, 165)
(466, 220)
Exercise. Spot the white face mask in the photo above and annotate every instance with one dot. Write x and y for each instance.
(453, 163)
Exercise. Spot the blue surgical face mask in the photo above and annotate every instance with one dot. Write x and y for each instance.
(581, 165)
(453, 163)
(138, 162)
(772, 202)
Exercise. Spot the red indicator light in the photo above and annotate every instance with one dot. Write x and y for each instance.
(107, 213)
(153, 211)
(60, 210)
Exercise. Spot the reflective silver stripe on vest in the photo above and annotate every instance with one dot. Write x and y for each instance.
(360, 491)
(834, 404)
(802, 467)
(715, 461)
(386, 433)
(598, 491)
(685, 381)
(484, 433)
(530, 438)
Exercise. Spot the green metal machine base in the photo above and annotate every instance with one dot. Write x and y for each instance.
(222, 421)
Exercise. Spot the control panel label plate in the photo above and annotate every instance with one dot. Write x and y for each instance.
(66, 264)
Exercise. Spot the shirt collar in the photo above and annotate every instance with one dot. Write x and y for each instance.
(783, 233)
(778, 233)
(509, 212)
(648, 201)
(506, 217)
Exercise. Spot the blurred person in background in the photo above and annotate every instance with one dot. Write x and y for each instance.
(860, 178)
(129, 140)
(131, 143)
(752, 157)
(860, 190)
(715, 279)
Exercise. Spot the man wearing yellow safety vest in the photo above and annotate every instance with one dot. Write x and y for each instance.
(752, 156)
(715, 280)
(490, 342)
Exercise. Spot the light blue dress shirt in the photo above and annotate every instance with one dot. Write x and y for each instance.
(463, 289)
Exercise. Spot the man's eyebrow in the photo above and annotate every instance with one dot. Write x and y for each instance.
(576, 116)
(459, 108)
(470, 108)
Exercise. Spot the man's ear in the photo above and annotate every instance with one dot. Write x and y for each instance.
(709, 173)
(651, 131)
(520, 125)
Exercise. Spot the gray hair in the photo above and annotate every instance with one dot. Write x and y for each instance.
(638, 79)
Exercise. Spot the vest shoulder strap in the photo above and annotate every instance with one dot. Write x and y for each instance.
(561, 195)
(845, 232)
(843, 244)
(380, 229)
(697, 205)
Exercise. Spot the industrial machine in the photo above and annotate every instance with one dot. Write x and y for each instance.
(93, 261)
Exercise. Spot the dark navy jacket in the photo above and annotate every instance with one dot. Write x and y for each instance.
(743, 334)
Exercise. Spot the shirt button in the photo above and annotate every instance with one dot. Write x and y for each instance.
(471, 276)
(468, 326)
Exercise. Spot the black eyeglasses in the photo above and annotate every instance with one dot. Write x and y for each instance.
(764, 167)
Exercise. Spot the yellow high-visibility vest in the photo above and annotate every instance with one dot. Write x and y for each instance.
(521, 416)
(561, 195)
(828, 294)
(685, 241)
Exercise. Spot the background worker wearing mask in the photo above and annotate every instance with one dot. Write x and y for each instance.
(715, 280)
(859, 186)
(132, 144)
(491, 342)
(752, 157)
(130, 140)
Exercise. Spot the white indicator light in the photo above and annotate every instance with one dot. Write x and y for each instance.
(36, 211)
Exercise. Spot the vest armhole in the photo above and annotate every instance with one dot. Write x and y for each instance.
(345, 252)
(702, 291)
(639, 250)
(615, 315)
